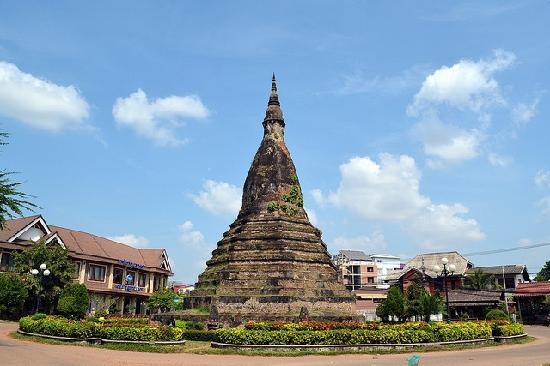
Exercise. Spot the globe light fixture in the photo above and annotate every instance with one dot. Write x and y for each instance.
(43, 272)
(448, 269)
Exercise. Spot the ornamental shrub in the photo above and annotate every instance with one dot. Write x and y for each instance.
(199, 335)
(508, 329)
(496, 314)
(447, 332)
(12, 295)
(407, 333)
(73, 301)
(63, 327)
(58, 326)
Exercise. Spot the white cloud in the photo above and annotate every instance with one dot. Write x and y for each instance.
(390, 191)
(442, 225)
(368, 244)
(358, 83)
(465, 85)
(523, 113)
(195, 246)
(386, 191)
(447, 144)
(190, 237)
(158, 119)
(219, 198)
(132, 240)
(524, 242)
(544, 205)
(499, 160)
(542, 178)
(40, 103)
(468, 93)
(318, 197)
(312, 215)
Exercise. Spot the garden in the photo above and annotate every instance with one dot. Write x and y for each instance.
(268, 333)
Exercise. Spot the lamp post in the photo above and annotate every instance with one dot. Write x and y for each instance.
(448, 269)
(42, 272)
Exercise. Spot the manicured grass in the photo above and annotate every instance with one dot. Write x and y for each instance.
(198, 347)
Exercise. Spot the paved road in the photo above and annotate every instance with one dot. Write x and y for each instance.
(17, 352)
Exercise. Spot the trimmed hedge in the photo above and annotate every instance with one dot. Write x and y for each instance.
(264, 333)
(200, 335)
(62, 327)
(507, 329)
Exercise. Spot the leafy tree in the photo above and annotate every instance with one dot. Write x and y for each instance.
(414, 294)
(12, 295)
(392, 305)
(496, 314)
(544, 274)
(479, 280)
(57, 261)
(12, 201)
(420, 303)
(430, 304)
(73, 301)
(162, 299)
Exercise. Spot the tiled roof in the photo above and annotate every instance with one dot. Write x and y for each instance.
(355, 255)
(83, 243)
(498, 270)
(13, 226)
(474, 297)
(426, 262)
(532, 289)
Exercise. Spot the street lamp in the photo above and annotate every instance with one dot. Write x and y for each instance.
(43, 272)
(448, 269)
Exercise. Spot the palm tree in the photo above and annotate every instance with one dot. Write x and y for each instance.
(12, 201)
(479, 281)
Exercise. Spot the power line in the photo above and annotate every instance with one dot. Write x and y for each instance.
(495, 251)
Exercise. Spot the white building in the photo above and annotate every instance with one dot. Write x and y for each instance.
(385, 264)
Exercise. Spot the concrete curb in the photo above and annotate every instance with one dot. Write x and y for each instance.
(102, 340)
(355, 347)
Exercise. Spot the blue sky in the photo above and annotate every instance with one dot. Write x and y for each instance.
(414, 127)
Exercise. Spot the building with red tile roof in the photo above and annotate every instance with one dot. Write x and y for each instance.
(118, 277)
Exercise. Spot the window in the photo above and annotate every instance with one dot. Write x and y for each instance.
(370, 280)
(130, 278)
(96, 273)
(118, 273)
(77, 266)
(7, 262)
(370, 269)
(142, 279)
(156, 283)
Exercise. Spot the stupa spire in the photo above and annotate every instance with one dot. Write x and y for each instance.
(273, 112)
(273, 98)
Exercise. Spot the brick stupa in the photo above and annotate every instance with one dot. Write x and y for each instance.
(272, 262)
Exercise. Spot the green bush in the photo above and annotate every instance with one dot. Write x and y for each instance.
(73, 301)
(117, 321)
(496, 314)
(58, 326)
(447, 332)
(507, 329)
(407, 333)
(199, 335)
(190, 325)
(63, 327)
(12, 295)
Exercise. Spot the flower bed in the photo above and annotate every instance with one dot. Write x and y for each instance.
(273, 333)
(354, 333)
(84, 329)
